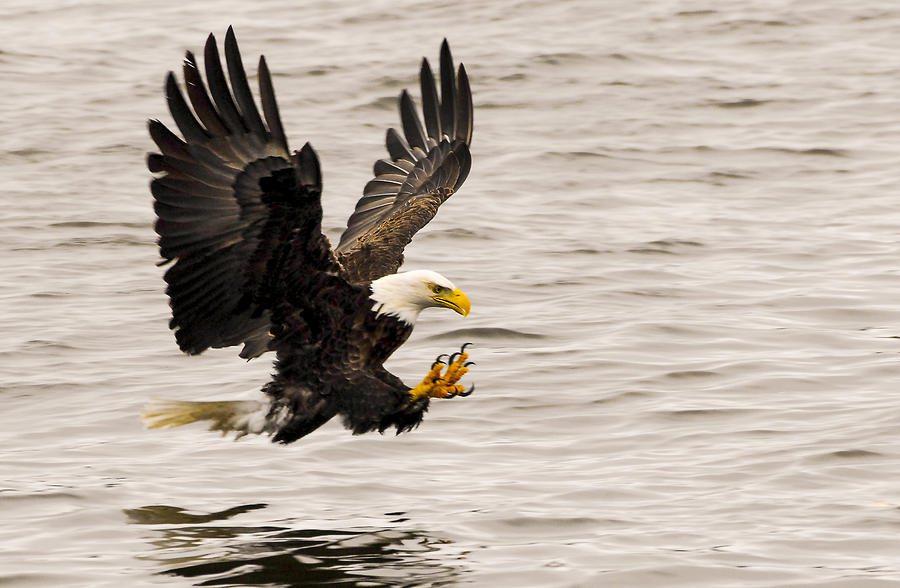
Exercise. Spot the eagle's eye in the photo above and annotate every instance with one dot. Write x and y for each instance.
(438, 289)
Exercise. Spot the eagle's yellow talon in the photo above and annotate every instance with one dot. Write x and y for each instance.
(436, 385)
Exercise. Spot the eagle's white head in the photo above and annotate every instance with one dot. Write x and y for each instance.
(406, 294)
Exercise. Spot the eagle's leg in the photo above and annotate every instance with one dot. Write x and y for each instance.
(438, 385)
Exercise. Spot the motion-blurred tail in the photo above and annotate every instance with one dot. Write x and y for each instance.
(242, 416)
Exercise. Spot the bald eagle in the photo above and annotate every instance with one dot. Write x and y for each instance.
(240, 215)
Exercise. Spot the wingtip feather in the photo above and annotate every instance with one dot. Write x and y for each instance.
(465, 110)
(270, 106)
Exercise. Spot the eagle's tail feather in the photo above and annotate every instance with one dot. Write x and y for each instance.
(242, 416)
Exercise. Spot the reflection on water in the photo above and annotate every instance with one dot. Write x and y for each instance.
(186, 545)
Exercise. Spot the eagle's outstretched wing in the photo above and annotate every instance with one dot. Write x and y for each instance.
(237, 212)
(423, 170)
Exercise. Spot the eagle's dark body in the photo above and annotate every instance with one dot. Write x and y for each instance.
(309, 377)
(240, 215)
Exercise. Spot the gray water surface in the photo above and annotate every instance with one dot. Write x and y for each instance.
(679, 235)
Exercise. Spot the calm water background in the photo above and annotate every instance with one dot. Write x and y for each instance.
(680, 237)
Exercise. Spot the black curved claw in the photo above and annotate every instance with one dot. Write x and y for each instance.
(463, 348)
(438, 360)
(467, 392)
(468, 363)
(454, 356)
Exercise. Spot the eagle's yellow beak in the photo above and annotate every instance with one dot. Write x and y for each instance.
(455, 300)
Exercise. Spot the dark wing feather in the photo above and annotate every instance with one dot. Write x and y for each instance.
(464, 121)
(270, 106)
(424, 169)
(412, 126)
(237, 213)
(431, 104)
(218, 88)
(449, 107)
(240, 88)
(200, 98)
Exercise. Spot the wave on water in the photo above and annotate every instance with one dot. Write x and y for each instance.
(485, 333)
